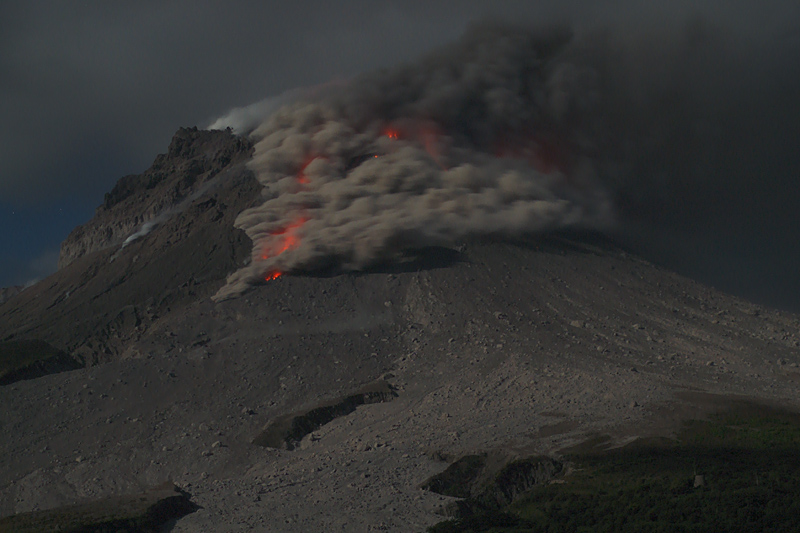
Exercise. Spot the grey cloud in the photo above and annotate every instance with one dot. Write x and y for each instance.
(668, 118)
(455, 145)
(91, 91)
(132, 72)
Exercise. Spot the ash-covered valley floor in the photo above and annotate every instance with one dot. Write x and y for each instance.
(514, 348)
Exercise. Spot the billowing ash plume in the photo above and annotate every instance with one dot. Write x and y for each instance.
(491, 136)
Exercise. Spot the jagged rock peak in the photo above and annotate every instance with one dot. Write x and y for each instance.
(194, 158)
(192, 150)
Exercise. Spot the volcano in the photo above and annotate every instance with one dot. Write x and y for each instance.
(324, 400)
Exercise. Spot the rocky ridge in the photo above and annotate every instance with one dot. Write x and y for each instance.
(7, 293)
(193, 161)
(105, 295)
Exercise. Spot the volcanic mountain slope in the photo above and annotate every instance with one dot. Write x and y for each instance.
(516, 348)
(110, 291)
(195, 162)
(9, 292)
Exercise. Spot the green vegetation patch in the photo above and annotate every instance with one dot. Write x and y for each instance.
(737, 472)
(147, 512)
(31, 359)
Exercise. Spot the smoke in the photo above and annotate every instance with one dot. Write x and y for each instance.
(700, 122)
(146, 228)
(243, 120)
(513, 131)
(486, 137)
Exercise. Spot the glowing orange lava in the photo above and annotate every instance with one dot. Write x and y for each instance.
(392, 133)
(291, 227)
(425, 132)
(283, 239)
(301, 174)
(286, 238)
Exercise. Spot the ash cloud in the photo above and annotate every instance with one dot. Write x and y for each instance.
(244, 120)
(677, 135)
(487, 137)
(701, 122)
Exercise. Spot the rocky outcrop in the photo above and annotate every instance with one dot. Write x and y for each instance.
(192, 165)
(109, 292)
(489, 482)
(32, 359)
(287, 431)
(148, 511)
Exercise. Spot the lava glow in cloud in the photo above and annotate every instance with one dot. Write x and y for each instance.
(459, 144)
(677, 123)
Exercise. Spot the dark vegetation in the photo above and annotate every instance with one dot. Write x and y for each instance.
(147, 512)
(488, 482)
(32, 359)
(737, 472)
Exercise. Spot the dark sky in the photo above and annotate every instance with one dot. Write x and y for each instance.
(91, 91)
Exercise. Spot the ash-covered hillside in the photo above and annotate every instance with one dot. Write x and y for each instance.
(195, 163)
(9, 292)
(303, 327)
(161, 239)
(512, 348)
